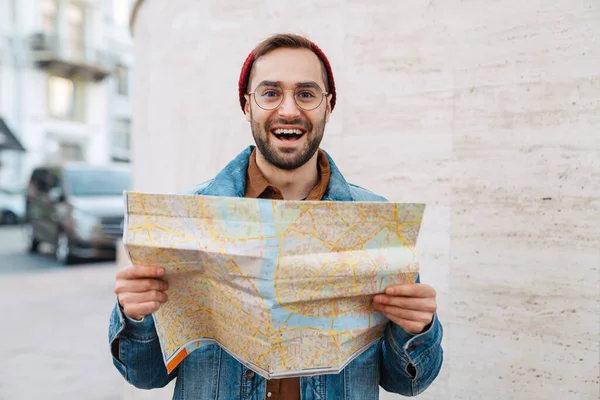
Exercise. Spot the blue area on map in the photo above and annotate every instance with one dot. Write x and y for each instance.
(279, 315)
(271, 251)
(187, 222)
(227, 215)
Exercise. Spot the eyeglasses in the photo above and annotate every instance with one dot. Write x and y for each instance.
(270, 95)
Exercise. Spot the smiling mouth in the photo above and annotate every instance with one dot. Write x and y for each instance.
(290, 135)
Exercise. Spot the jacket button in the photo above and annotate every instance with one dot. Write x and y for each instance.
(249, 374)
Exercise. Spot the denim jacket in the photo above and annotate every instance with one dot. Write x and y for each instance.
(399, 362)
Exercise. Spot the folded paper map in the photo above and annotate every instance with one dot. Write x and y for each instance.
(285, 287)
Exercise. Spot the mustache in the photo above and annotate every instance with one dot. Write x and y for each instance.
(305, 124)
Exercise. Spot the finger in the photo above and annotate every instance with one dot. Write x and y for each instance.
(410, 303)
(408, 315)
(140, 285)
(138, 311)
(129, 298)
(409, 326)
(411, 290)
(140, 271)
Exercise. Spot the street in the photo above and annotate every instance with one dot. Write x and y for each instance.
(54, 326)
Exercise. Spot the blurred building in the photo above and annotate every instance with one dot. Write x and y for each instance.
(64, 83)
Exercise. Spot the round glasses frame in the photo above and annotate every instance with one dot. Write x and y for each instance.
(323, 94)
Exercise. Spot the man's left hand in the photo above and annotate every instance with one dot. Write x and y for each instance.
(411, 305)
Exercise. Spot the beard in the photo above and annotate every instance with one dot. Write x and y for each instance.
(278, 158)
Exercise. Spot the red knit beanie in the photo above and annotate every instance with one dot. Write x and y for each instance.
(245, 75)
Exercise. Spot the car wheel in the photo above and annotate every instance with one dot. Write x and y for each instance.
(33, 243)
(62, 250)
(9, 218)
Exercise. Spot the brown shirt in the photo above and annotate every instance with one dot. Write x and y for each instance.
(257, 186)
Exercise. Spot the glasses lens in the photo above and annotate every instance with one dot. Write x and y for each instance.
(308, 98)
(268, 97)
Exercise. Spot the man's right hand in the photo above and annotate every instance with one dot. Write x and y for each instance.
(140, 290)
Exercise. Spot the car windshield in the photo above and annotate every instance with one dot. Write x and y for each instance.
(97, 182)
(11, 191)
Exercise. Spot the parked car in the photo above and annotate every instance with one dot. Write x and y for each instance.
(12, 206)
(78, 208)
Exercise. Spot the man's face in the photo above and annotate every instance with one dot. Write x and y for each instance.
(289, 69)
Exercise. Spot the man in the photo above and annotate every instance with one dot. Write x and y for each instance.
(287, 93)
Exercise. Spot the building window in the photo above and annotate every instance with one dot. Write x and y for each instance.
(65, 98)
(75, 18)
(68, 151)
(122, 75)
(121, 10)
(49, 8)
(121, 139)
(13, 13)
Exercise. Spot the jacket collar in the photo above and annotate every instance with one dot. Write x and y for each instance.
(231, 181)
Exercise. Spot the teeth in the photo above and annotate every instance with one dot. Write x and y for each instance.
(288, 131)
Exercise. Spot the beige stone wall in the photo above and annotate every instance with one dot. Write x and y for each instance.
(482, 109)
